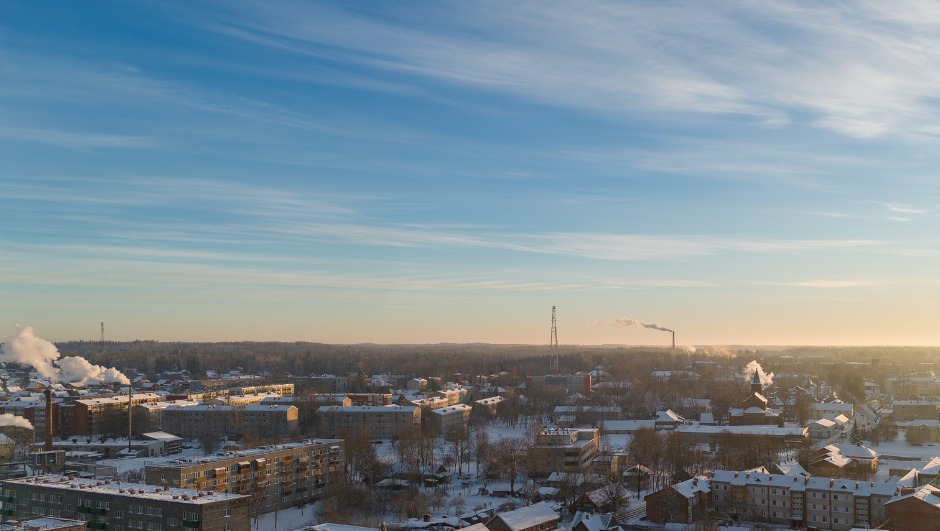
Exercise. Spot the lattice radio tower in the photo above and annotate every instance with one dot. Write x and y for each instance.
(553, 348)
(102, 331)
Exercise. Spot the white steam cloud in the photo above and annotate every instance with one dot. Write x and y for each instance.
(28, 349)
(625, 321)
(766, 379)
(9, 419)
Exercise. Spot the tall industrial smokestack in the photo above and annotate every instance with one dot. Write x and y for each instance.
(48, 442)
(130, 417)
(673, 340)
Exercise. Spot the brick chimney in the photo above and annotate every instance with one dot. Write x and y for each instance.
(48, 441)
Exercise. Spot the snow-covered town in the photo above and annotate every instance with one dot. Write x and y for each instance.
(700, 441)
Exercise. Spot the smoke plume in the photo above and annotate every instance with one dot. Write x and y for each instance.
(766, 379)
(28, 349)
(9, 419)
(624, 321)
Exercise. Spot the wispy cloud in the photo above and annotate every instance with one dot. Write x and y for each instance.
(858, 71)
(904, 209)
(826, 283)
(75, 140)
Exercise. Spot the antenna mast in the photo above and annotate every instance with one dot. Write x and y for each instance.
(553, 344)
(102, 331)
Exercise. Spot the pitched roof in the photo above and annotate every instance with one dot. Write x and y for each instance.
(927, 494)
(529, 516)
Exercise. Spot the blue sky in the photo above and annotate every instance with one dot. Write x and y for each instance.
(405, 172)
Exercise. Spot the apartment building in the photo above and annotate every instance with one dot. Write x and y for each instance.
(909, 385)
(314, 401)
(831, 409)
(112, 506)
(276, 476)
(326, 383)
(284, 389)
(93, 416)
(487, 407)
(377, 422)
(369, 399)
(906, 410)
(33, 410)
(265, 421)
(455, 395)
(801, 500)
(449, 418)
(564, 450)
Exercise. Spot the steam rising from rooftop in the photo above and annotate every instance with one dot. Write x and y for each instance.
(26, 348)
(9, 419)
(766, 379)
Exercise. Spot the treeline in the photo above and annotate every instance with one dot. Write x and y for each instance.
(444, 360)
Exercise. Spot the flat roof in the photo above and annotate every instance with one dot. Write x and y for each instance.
(252, 453)
(130, 490)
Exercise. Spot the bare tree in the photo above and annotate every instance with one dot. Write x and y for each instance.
(509, 456)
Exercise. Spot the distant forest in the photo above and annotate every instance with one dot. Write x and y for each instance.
(470, 360)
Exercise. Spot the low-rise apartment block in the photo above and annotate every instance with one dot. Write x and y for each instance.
(800, 500)
(94, 416)
(265, 421)
(112, 506)
(276, 476)
(377, 422)
(905, 410)
(450, 418)
(564, 450)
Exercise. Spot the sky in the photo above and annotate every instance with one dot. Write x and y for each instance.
(755, 172)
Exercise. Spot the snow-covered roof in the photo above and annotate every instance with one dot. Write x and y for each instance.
(372, 409)
(132, 490)
(338, 527)
(161, 436)
(527, 517)
(792, 468)
(48, 523)
(449, 410)
(626, 426)
(803, 483)
(744, 430)
(668, 416)
(927, 494)
(691, 487)
(592, 522)
(854, 451)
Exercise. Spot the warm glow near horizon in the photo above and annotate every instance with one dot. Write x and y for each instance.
(743, 174)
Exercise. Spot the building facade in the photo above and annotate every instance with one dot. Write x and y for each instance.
(275, 476)
(110, 506)
(265, 421)
(800, 501)
(94, 416)
(564, 450)
(377, 422)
